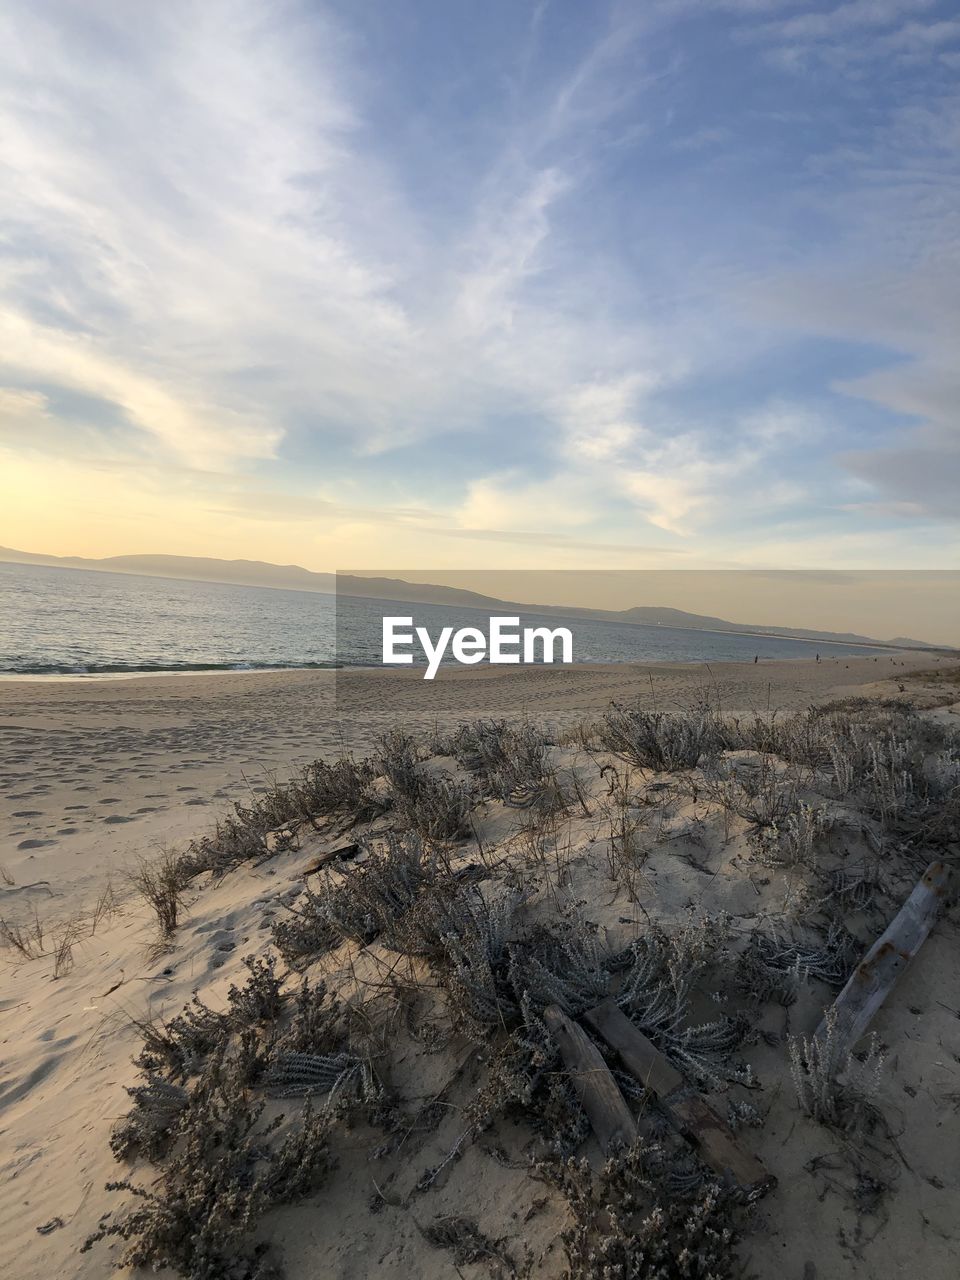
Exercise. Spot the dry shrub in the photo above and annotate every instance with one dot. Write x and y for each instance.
(775, 967)
(435, 805)
(833, 1087)
(221, 1165)
(373, 901)
(629, 1220)
(658, 740)
(662, 971)
(321, 790)
(224, 1171)
(511, 764)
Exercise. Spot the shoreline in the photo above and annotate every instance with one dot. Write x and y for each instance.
(87, 677)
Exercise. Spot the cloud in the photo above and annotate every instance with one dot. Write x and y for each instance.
(197, 222)
(856, 15)
(505, 502)
(506, 246)
(922, 477)
(20, 410)
(347, 279)
(679, 482)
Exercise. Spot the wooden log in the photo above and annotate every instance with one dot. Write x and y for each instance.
(876, 974)
(687, 1111)
(596, 1088)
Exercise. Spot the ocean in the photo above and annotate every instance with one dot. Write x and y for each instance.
(79, 623)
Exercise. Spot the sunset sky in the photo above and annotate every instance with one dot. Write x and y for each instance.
(438, 282)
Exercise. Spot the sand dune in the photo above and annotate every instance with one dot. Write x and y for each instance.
(94, 773)
(98, 773)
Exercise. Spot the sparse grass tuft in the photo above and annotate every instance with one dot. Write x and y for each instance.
(161, 883)
(106, 906)
(760, 792)
(625, 852)
(27, 940)
(63, 939)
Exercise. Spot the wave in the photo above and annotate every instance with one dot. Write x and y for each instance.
(154, 668)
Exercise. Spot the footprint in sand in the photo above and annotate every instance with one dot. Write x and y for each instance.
(27, 813)
(147, 808)
(69, 808)
(35, 844)
(66, 831)
(109, 800)
(114, 818)
(50, 1037)
(15, 1087)
(196, 800)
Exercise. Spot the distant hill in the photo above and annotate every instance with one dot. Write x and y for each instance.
(248, 573)
(259, 573)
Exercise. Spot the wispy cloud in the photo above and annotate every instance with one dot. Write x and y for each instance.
(498, 281)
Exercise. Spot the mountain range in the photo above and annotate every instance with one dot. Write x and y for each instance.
(259, 573)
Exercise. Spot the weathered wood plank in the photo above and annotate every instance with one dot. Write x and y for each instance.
(876, 974)
(596, 1088)
(639, 1055)
(687, 1111)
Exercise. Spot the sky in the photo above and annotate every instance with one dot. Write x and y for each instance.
(429, 282)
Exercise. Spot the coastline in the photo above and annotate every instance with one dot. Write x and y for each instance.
(877, 652)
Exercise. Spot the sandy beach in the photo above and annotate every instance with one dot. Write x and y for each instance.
(479, 641)
(98, 774)
(95, 773)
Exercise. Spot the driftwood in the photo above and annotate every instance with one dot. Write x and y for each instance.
(341, 853)
(687, 1111)
(874, 977)
(596, 1088)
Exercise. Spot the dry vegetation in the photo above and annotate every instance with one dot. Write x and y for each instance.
(462, 888)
